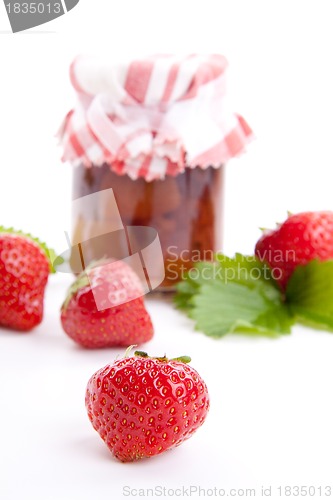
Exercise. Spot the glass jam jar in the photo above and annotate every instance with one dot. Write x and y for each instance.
(185, 210)
(154, 135)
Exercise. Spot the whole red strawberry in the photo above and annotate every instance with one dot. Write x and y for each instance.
(105, 308)
(24, 271)
(143, 406)
(301, 238)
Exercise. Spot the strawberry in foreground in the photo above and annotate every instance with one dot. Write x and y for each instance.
(24, 271)
(104, 307)
(143, 406)
(300, 239)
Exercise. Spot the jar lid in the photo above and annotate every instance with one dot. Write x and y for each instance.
(152, 117)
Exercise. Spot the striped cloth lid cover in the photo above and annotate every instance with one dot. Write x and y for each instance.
(152, 117)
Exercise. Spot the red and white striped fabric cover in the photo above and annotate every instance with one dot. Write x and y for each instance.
(152, 117)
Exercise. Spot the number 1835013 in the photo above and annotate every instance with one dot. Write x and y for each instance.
(34, 8)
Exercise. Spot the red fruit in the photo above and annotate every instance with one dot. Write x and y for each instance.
(24, 271)
(301, 238)
(104, 307)
(143, 406)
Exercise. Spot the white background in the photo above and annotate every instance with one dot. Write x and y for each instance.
(271, 414)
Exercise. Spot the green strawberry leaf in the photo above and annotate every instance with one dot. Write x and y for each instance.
(310, 293)
(247, 270)
(201, 272)
(51, 255)
(232, 295)
(221, 308)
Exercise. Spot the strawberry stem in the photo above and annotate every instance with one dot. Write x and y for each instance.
(182, 359)
(141, 354)
(128, 350)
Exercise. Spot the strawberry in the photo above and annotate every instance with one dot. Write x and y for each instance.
(104, 307)
(143, 406)
(301, 238)
(24, 271)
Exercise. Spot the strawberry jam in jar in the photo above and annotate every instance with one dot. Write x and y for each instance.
(185, 210)
(148, 140)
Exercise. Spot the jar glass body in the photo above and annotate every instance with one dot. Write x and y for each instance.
(185, 210)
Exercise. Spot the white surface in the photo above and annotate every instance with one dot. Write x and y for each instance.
(269, 424)
(271, 414)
